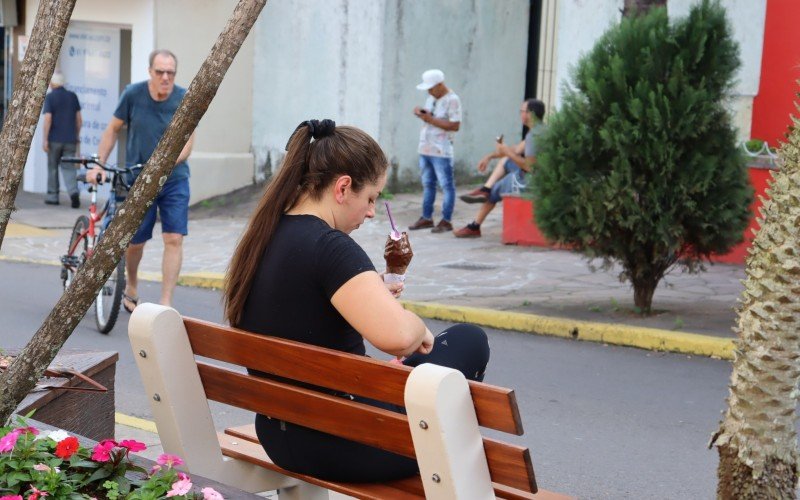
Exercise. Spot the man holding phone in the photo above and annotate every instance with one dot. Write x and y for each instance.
(515, 162)
(441, 117)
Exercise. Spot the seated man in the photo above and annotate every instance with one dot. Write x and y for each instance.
(515, 163)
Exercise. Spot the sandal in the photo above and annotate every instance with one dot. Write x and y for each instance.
(132, 300)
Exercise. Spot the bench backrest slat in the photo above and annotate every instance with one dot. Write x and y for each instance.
(508, 464)
(495, 407)
(326, 413)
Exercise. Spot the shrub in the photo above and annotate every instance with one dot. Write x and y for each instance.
(640, 165)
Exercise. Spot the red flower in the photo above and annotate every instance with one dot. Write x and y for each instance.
(67, 447)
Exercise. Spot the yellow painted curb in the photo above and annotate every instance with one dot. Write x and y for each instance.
(202, 280)
(20, 230)
(611, 333)
(135, 422)
(26, 260)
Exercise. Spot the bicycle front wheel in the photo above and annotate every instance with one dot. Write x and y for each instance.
(77, 250)
(109, 298)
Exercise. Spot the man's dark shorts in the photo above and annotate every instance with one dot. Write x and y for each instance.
(173, 209)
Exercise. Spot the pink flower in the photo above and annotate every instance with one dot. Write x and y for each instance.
(8, 441)
(102, 452)
(183, 476)
(169, 460)
(180, 487)
(209, 494)
(29, 429)
(42, 468)
(154, 469)
(36, 494)
(132, 445)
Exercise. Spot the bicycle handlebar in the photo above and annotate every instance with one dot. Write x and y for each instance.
(94, 160)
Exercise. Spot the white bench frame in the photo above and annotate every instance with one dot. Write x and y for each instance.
(441, 416)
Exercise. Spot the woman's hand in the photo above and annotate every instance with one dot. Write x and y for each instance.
(394, 288)
(427, 343)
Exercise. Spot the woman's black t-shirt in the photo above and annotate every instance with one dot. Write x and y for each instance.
(304, 265)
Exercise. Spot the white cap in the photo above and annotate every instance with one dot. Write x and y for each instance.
(58, 79)
(430, 79)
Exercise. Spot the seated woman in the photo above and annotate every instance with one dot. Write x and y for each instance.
(296, 273)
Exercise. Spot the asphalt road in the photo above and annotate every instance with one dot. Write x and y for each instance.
(601, 421)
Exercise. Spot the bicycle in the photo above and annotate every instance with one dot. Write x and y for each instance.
(85, 237)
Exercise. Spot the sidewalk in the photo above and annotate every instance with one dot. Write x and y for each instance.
(480, 280)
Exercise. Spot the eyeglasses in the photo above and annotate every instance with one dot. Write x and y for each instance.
(161, 72)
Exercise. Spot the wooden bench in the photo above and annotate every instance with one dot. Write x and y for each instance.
(441, 430)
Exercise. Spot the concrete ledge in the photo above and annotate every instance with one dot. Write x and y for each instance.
(611, 333)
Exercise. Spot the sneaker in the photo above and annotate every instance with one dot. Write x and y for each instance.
(468, 232)
(422, 223)
(50, 202)
(75, 200)
(442, 227)
(478, 195)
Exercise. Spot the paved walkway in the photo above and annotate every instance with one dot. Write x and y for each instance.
(477, 273)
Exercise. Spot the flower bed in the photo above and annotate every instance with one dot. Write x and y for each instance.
(35, 465)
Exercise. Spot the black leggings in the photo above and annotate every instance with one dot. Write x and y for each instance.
(307, 451)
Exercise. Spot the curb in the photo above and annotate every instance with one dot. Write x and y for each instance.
(135, 422)
(610, 333)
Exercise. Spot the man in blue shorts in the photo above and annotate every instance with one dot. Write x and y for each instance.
(515, 162)
(147, 108)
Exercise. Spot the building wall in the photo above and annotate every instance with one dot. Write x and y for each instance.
(780, 72)
(581, 22)
(358, 62)
(136, 16)
(314, 60)
(221, 159)
(481, 46)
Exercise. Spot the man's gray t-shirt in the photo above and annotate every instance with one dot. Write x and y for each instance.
(147, 120)
(530, 139)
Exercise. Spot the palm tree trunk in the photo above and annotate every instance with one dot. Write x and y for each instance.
(29, 365)
(27, 99)
(756, 440)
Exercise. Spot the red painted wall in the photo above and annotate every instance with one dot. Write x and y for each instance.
(780, 70)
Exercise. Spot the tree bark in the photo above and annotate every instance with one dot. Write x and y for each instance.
(633, 8)
(23, 373)
(643, 291)
(27, 99)
(757, 440)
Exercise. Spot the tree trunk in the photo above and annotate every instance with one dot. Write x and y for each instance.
(643, 295)
(26, 101)
(28, 366)
(633, 8)
(756, 439)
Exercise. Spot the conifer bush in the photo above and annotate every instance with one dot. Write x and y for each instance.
(640, 165)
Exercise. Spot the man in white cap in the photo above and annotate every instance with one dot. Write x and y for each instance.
(62, 128)
(441, 116)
